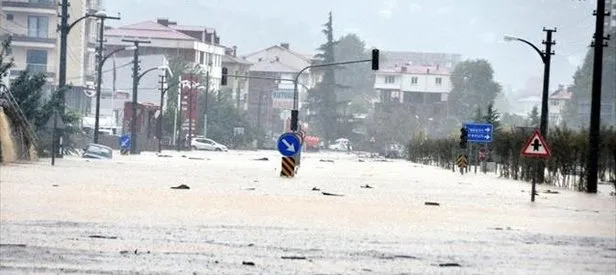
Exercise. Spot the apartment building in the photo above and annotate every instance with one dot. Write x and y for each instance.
(269, 100)
(195, 45)
(610, 21)
(558, 102)
(236, 87)
(32, 26)
(424, 89)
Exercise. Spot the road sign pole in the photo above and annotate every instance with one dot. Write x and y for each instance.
(534, 183)
(53, 138)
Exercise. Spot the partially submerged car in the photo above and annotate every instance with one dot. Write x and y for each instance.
(97, 151)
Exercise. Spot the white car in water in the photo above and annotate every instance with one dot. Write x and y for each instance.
(207, 144)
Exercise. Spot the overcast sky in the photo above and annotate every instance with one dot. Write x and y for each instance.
(473, 28)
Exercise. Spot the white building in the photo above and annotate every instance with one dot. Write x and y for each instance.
(413, 85)
(236, 86)
(195, 45)
(557, 104)
(270, 101)
(32, 26)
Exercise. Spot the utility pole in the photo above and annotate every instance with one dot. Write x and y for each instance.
(179, 116)
(133, 120)
(207, 96)
(160, 116)
(595, 104)
(99, 63)
(190, 110)
(547, 61)
(64, 29)
(547, 56)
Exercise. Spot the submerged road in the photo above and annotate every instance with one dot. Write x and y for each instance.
(240, 217)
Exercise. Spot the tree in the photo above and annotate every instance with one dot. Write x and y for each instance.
(322, 99)
(492, 117)
(478, 115)
(512, 120)
(582, 85)
(223, 117)
(27, 89)
(358, 79)
(5, 63)
(177, 66)
(473, 86)
(533, 118)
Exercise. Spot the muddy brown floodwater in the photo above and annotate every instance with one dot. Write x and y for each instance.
(240, 217)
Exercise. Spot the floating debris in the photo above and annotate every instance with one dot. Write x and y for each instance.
(103, 237)
(366, 186)
(194, 158)
(331, 194)
(449, 265)
(248, 263)
(432, 203)
(181, 186)
(293, 257)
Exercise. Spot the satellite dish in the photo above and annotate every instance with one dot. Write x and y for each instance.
(89, 93)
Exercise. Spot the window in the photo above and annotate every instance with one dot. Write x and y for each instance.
(37, 61)
(10, 17)
(555, 102)
(38, 26)
(414, 80)
(202, 58)
(390, 79)
(438, 81)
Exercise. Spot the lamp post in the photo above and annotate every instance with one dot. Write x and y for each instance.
(101, 62)
(163, 91)
(546, 58)
(64, 29)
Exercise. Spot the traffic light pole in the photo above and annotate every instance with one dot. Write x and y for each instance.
(295, 111)
(595, 103)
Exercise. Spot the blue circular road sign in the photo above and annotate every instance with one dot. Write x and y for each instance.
(125, 142)
(289, 144)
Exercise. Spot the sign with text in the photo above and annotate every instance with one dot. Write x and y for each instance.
(282, 99)
(479, 132)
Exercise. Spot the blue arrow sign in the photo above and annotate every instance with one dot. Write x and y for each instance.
(289, 144)
(125, 142)
(479, 132)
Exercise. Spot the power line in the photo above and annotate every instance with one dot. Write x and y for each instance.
(104, 71)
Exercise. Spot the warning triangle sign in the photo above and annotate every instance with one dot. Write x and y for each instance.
(536, 147)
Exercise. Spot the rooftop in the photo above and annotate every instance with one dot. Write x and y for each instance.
(148, 29)
(434, 70)
(232, 59)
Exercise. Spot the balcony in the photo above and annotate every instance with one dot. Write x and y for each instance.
(34, 69)
(17, 38)
(30, 4)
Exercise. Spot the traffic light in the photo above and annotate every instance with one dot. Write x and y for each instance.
(463, 138)
(223, 79)
(375, 59)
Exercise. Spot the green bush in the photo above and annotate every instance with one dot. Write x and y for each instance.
(565, 168)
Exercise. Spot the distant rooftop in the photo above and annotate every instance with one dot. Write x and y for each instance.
(148, 29)
(406, 69)
(400, 58)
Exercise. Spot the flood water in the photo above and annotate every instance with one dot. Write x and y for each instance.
(121, 216)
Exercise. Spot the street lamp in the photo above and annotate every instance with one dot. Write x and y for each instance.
(136, 79)
(64, 29)
(163, 91)
(546, 58)
(98, 88)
